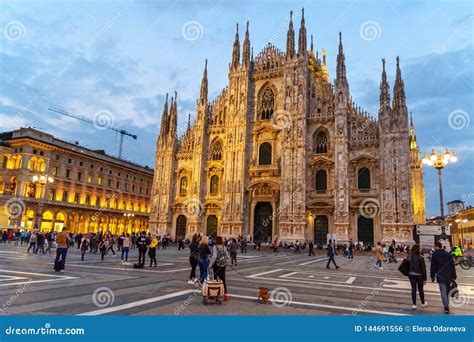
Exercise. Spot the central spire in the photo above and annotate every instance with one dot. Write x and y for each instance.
(302, 41)
(236, 50)
(290, 38)
(399, 89)
(164, 119)
(173, 124)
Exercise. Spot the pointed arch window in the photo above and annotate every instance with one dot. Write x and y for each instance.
(363, 179)
(265, 154)
(183, 186)
(216, 150)
(266, 104)
(214, 188)
(321, 181)
(320, 142)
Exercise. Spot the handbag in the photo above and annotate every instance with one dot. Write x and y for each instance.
(404, 267)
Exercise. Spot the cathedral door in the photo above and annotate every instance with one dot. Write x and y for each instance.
(365, 230)
(263, 217)
(321, 229)
(211, 227)
(181, 226)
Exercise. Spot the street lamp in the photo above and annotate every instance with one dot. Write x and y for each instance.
(439, 160)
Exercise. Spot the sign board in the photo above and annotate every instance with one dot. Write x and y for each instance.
(431, 230)
(445, 243)
(427, 241)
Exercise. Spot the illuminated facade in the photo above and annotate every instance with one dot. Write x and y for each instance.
(50, 183)
(284, 153)
(462, 227)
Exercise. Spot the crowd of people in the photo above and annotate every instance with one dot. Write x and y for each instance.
(211, 254)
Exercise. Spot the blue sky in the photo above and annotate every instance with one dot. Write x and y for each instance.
(122, 57)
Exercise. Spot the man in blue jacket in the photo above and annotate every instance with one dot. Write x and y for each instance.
(442, 267)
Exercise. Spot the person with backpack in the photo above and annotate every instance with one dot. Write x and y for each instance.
(142, 247)
(203, 260)
(311, 248)
(417, 275)
(219, 260)
(443, 269)
(193, 258)
(379, 255)
(62, 241)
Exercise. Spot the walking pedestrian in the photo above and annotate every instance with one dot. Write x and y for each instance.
(417, 275)
(125, 247)
(219, 260)
(379, 255)
(443, 269)
(331, 253)
(103, 248)
(351, 250)
(84, 245)
(193, 258)
(203, 261)
(33, 240)
(40, 243)
(110, 242)
(62, 242)
(142, 246)
(311, 248)
(243, 245)
(233, 251)
(152, 251)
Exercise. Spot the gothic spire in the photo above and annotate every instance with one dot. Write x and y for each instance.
(246, 48)
(204, 85)
(164, 119)
(312, 47)
(413, 143)
(302, 36)
(173, 124)
(236, 50)
(290, 38)
(341, 79)
(189, 121)
(399, 89)
(384, 88)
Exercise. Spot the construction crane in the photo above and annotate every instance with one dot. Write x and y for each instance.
(121, 131)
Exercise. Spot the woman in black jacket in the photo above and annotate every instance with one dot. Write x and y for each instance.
(193, 258)
(417, 275)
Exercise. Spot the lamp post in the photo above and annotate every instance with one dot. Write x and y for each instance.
(127, 218)
(41, 180)
(439, 160)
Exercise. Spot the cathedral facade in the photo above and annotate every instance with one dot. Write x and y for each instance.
(283, 153)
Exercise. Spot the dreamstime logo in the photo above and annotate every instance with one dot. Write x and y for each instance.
(369, 207)
(457, 298)
(370, 30)
(103, 296)
(193, 207)
(192, 30)
(14, 30)
(458, 119)
(280, 297)
(14, 207)
(103, 119)
(281, 120)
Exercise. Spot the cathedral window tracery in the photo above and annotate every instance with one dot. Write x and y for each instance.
(267, 104)
(320, 142)
(216, 150)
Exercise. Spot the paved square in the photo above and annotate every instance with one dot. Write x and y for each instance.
(300, 284)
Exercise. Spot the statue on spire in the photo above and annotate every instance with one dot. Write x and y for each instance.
(290, 38)
(236, 50)
(302, 44)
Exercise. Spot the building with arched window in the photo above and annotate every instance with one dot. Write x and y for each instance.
(283, 152)
(90, 190)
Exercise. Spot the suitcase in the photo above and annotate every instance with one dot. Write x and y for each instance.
(212, 290)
